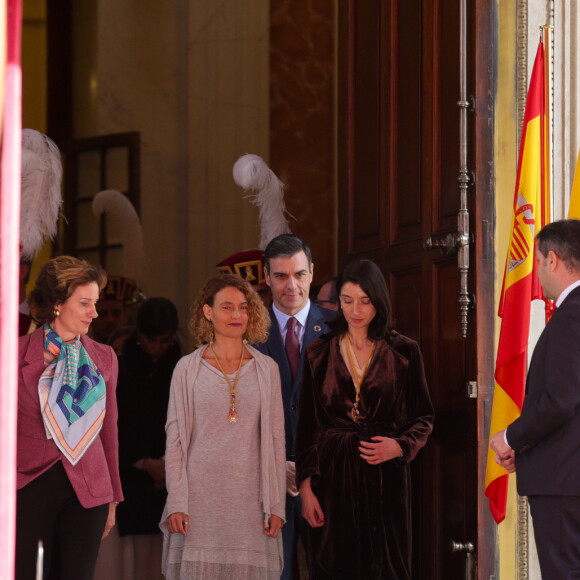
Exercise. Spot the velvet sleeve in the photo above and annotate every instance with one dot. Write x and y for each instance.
(419, 409)
(308, 430)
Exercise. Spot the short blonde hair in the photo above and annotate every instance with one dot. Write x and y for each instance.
(57, 280)
(258, 317)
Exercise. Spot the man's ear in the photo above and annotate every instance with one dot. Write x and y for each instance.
(553, 260)
(267, 276)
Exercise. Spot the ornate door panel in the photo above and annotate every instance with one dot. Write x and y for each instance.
(399, 160)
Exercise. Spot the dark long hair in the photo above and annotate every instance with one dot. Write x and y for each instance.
(368, 276)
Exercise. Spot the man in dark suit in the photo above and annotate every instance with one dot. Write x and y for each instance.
(296, 322)
(543, 444)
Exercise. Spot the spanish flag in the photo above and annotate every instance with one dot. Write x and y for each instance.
(519, 287)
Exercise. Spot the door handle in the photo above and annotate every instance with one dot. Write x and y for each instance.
(468, 548)
(459, 240)
(449, 244)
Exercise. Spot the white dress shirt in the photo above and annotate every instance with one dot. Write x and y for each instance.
(300, 316)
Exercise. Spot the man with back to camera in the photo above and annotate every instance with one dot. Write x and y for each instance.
(296, 322)
(543, 443)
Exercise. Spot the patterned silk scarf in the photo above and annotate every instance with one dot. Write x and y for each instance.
(72, 395)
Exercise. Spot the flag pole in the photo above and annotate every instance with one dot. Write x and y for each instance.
(548, 41)
(547, 201)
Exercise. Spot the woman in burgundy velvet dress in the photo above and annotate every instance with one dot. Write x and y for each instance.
(365, 412)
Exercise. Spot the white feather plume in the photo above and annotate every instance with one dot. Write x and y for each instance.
(252, 172)
(118, 207)
(40, 191)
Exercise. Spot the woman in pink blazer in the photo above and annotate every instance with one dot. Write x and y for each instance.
(67, 460)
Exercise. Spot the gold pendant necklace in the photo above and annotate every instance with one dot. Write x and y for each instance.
(357, 382)
(233, 414)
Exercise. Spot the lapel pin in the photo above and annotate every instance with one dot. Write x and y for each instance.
(317, 328)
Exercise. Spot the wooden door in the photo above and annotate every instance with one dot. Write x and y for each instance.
(399, 143)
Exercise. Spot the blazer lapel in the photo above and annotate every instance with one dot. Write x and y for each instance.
(315, 328)
(92, 351)
(278, 353)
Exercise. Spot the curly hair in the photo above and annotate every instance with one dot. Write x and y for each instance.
(57, 280)
(258, 317)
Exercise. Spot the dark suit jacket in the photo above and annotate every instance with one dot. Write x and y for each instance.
(546, 437)
(315, 327)
(95, 478)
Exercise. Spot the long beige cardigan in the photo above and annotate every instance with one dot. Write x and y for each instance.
(272, 444)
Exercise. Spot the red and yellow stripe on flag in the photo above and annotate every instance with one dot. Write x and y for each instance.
(574, 209)
(519, 288)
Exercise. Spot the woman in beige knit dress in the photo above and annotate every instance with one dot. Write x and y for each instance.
(225, 455)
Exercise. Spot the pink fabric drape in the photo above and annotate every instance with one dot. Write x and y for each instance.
(9, 273)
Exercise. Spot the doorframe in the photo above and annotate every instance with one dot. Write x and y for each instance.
(484, 182)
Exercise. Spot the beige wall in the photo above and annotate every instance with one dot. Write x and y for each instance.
(192, 78)
(505, 162)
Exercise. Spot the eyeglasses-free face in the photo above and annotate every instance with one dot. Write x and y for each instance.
(290, 279)
(356, 306)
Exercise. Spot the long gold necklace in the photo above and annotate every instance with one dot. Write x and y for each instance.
(357, 381)
(233, 414)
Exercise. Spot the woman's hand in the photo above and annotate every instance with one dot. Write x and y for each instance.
(178, 523)
(273, 526)
(110, 519)
(311, 510)
(382, 450)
